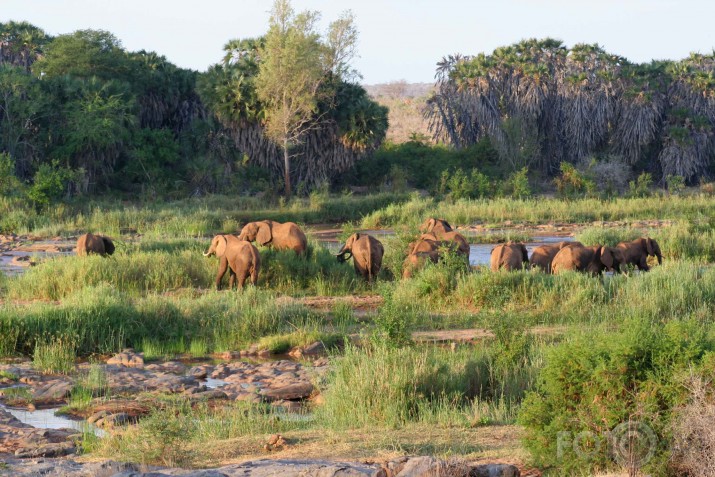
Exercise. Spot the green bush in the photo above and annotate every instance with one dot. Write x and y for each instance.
(676, 184)
(595, 382)
(572, 183)
(641, 186)
(460, 185)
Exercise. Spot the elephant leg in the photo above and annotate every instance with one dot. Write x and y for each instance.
(231, 279)
(222, 267)
(242, 280)
(254, 277)
(643, 264)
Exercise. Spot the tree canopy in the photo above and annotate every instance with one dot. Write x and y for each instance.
(568, 104)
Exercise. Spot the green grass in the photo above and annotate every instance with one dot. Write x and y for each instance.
(280, 344)
(54, 356)
(540, 210)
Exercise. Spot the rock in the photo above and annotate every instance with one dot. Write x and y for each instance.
(127, 358)
(46, 450)
(52, 391)
(300, 390)
(420, 467)
(200, 372)
(495, 470)
(173, 367)
(114, 420)
(97, 416)
(313, 349)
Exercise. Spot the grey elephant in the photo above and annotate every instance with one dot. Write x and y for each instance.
(509, 256)
(543, 255)
(435, 225)
(366, 252)
(281, 236)
(637, 252)
(94, 244)
(593, 260)
(240, 257)
(423, 251)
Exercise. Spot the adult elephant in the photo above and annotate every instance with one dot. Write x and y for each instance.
(422, 251)
(461, 246)
(637, 252)
(435, 225)
(366, 252)
(238, 256)
(543, 255)
(509, 256)
(593, 260)
(286, 236)
(94, 244)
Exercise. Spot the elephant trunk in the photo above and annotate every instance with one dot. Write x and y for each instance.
(343, 254)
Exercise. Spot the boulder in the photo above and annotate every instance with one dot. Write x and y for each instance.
(300, 390)
(495, 470)
(127, 358)
(51, 392)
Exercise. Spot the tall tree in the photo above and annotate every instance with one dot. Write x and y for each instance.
(290, 79)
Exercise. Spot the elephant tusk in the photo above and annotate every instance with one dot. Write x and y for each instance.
(206, 254)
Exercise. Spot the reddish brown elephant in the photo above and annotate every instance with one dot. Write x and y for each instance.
(366, 252)
(281, 236)
(543, 255)
(637, 252)
(509, 256)
(593, 260)
(240, 257)
(94, 244)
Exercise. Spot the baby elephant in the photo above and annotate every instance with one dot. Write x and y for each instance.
(637, 252)
(593, 260)
(509, 256)
(366, 252)
(239, 256)
(90, 243)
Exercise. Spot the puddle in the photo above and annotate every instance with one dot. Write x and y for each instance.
(46, 419)
(212, 383)
(10, 269)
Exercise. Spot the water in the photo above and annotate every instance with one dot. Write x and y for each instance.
(479, 254)
(46, 419)
(212, 383)
(10, 269)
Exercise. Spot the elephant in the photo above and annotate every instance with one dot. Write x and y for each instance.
(509, 256)
(366, 252)
(462, 246)
(593, 260)
(99, 244)
(240, 256)
(637, 252)
(416, 260)
(435, 225)
(543, 255)
(286, 236)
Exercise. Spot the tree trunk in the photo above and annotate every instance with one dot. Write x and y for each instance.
(286, 170)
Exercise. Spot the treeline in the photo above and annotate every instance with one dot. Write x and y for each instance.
(542, 104)
(79, 114)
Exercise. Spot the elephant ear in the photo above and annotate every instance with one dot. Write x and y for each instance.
(264, 235)
(607, 257)
(649, 246)
(108, 245)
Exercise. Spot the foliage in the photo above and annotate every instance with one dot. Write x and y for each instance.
(572, 183)
(641, 186)
(676, 184)
(541, 103)
(49, 184)
(9, 183)
(594, 382)
(54, 356)
(460, 185)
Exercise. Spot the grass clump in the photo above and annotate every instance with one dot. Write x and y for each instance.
(54, 356)
(281, 344)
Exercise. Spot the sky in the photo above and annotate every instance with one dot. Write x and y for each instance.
(399, 39)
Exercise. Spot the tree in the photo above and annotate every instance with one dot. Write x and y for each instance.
(290, 78)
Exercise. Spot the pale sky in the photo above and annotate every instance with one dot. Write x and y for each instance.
(399, 39)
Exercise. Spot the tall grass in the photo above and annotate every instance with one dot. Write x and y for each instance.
(388, 386)
(540, 210)
(54, 356)
(103, 320)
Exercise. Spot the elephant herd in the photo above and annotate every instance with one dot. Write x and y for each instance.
(241, 258)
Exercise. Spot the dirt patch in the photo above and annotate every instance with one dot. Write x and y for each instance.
(476, 334)
(326, 303)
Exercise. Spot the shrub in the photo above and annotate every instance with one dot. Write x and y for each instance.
(609, 175)
(596, 382)
(460, 185)
(49, 183)
(693, 431)
(572, 183)
(641, 186)
(517, 184)
(9, 183)
(676, 184)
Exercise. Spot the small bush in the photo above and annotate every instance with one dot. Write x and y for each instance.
(676, 184)
(693, 431)
(641, 186)
(572, 183)
(460, 185)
